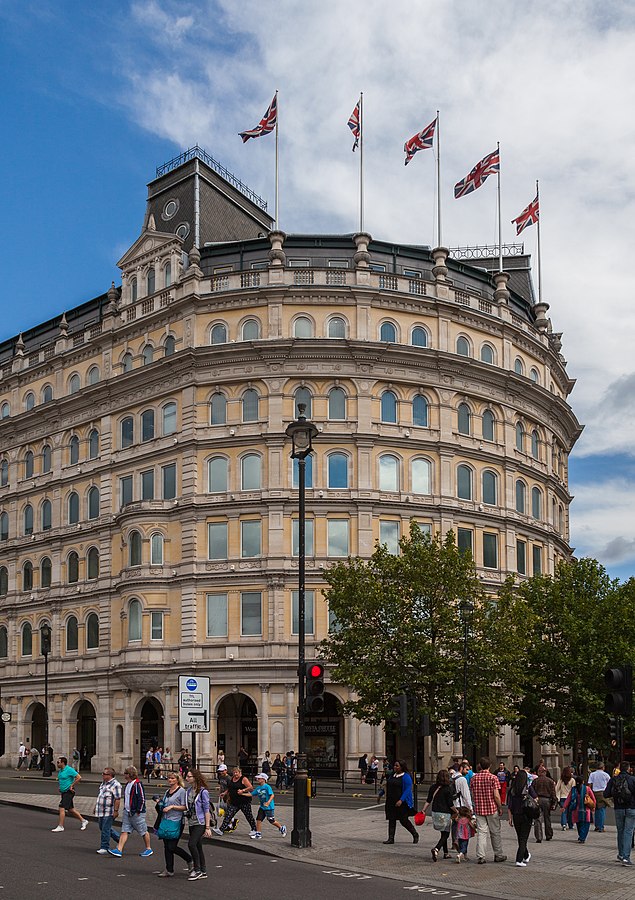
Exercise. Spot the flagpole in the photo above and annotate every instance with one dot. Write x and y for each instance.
(361, 162)
(439, 241)
(277, 216)
(539, 256)
(500, 221)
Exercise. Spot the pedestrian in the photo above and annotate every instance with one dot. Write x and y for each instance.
(362, 765)
(441, 801)
(134, 814)
(503, 777)
(172, 807)
(545, 788)
(621, 789)
(220, 759)
(278, 767)
(149, 763)
(107, 808)
(167, 760)
(238, 797)
(519, 788)
(33, 764)
(582, 803)
(199, 814)
(266, 764)
(157, 762)
(598, 781)
(486, 802)
(267, 810)
(23, 757)
(470, 772)
(76, 758)
(465, 830)
(223, 781)
(67, 778)
(400, 802)
(373, 768)
(462, 796)
(564, 786)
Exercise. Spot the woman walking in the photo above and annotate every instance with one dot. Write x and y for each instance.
(199, 811)
(399, 802)
(238, 795)
(564, 786)
(519, 788)
(172, 807)
(441, 801)
(582, 802)
(278, 768)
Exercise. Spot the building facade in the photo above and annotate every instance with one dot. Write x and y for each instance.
(148, 501)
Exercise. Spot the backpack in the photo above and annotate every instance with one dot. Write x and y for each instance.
(621, 790)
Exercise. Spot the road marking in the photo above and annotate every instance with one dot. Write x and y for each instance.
(42, 882)
(347, 874)
(436, 892)
(82, 879)
(374, 806)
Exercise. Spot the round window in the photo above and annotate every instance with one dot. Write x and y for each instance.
(170, 209)
(183, 230)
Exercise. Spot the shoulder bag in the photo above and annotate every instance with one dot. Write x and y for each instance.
(530, 807)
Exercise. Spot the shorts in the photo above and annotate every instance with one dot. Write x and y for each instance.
(268, 814)
(134, 823)
(66, 800)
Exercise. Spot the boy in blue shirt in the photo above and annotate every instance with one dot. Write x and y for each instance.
(264, 793)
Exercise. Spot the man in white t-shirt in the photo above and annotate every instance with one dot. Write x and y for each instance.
(598, 780)
(23, 756)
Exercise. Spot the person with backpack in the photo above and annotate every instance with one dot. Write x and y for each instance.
(621, 788)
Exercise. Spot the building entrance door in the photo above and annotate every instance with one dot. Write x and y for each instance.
(238, 727)
(151, 732)
(86, 734)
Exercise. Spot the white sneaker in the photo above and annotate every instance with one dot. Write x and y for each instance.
(522, 865)
(253, 833)
(84, 825)
(283, 830)
(528, 857)
(57, 828)
(102, 851)
(217, 831)
(255, 836)
(459, 857)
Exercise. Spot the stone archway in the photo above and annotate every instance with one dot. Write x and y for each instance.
(324, 734)
(237, 726)
(150, 729)
(38, 726)
(86, 741)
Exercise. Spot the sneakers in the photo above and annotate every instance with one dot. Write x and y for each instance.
(626, 862)
(528, 857)
(166, 874)
(57, 829)
(521, 865)
(194, 876)
(102, 851)
(217, 831)
(116, 852)
(84, 825)
(202, 874)
(503, 858)
(255, 835)
(459, 857)
(435, 854)
(619, 858)
(283, 830)
(147, 852)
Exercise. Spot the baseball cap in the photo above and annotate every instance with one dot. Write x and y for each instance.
(222, 767)
(263, 776)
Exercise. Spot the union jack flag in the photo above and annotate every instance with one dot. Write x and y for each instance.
(266, 124)
(529, 216)
(489, 165)
(421, 141)
(354, 125)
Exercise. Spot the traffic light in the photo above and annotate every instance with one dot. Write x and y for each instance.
(614, 730)
(455, 726)
(314, 702)
(470, 734)
(619, 700)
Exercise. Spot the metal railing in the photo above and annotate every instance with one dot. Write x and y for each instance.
(197, 152)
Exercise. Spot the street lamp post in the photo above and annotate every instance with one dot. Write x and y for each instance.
(45, 648)
(301, 433)
(465, 608)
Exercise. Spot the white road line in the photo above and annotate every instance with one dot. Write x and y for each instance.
(82, 879)
(363, 808)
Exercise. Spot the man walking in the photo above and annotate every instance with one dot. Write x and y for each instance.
(107, 808)
(486, 802)
(23, 756)
(134, 814)
(545, 788)
(67, 778)
(622, 789)
(598, 781)
(462, 796)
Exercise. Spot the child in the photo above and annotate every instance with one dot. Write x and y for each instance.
(464, 831)
(264, 793)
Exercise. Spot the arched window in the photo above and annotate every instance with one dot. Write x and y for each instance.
(150, 281)
(388, 473)
(134, 621)
(93, 444)
(73, 508)
(464, 482)
(92, 632)
(251, 330)
(93, 375)
(490, 484)
(487, 354)
(4, 526)
(303, 395)
(72, 634)
(46, 515)
(217, 474)
(29, 400)
(167, 274)
(147, 425)
(419, 337)
(338, 470)
(303, 327)
(126, 362)
(5, 411)
(388, 333)
(518, 366)
(308, 472)
(420, 411)
(536, 503)
(47, 393)
(93, 503)
(218, 334)
(127, 432)
(535, 444)
(28, 519)
(337, 328)
(4, 581)
(156, 549)
(134, 549)
(74, 384)
(4, 643)
(388, 407)
(46, 459)
(134, 292)
(421, 476)
(73, 447)
(218, 409)
(169, 347)
(119, 739)
(520, 437)
(463, 346)
(28, 464)
(27, 639)
(535, 377)
(169, 418)
(27, 576)
(4, 473)
(92, 563)
(73, 567)
(520, 496)
(148, 355)
(488, 425)
(250, 406)
(464, 419)
(337, 404)
(250, 472)
(46, 571)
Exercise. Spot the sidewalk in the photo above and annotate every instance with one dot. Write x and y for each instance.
(560, 869)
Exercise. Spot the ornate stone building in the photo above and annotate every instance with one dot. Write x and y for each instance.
(148, 502)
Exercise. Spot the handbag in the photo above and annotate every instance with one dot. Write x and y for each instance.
(441, 821)
(169, 829)
(531, 809)
(589, 802)
(420, 818)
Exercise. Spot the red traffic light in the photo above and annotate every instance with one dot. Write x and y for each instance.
(315, 670)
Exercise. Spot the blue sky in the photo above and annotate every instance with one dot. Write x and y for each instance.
(95, 96)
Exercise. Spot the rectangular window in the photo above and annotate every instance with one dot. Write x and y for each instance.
(338, 264)
(337, 530)
(217, 615)
(261, 264)
(412, 273)
(490, 550)
(217, 540)
(465, 540)
(309, 602)
(299, 263)
(536, 552)
(308, 537)
(389, 535)
(147, 485)
(156, 626)
(377, 267)
(169, 481)
(250, 538)
(521, 557)
(221, 270)
(125, 490)
(333, 624)
(250, 613)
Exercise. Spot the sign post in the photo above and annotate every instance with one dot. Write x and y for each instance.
(194, 707)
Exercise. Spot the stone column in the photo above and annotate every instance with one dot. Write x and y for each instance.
(277, 257)
(292, 718)
(105, 735)
(263, 721)
(361, 258)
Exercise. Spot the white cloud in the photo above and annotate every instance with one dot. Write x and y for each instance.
(602, 525)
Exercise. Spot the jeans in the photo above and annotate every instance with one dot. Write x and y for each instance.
(565, 815)
(545, 816)
(195, 846)
(523, 827)
(625, 821)
(488, 825)
(107, 833)
(583, 829)
(463, 845)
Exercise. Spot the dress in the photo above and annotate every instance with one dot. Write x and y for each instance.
(399, 788)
